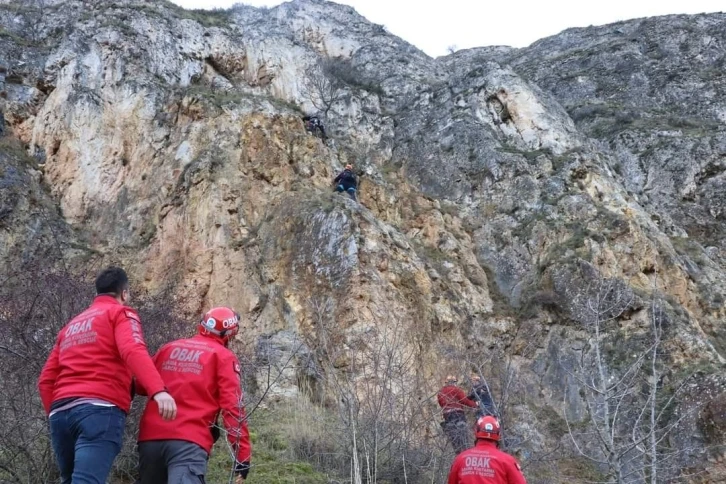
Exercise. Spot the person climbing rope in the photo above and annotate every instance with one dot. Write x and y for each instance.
(485, 463)
(453, 401)
(347, 181)
(481, 395)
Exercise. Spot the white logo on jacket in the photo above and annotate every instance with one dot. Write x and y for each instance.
(480, 462)
(79, 327)
(183, 354)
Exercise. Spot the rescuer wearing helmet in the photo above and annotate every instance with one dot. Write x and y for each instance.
(485, 463)
(204, 375)
(453, 401)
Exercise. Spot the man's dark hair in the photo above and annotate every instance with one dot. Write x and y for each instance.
(112, 280)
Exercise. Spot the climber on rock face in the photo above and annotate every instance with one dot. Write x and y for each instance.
(318, 125)
(453, 402)
(480, 394)
(315, 126)
(485, 463)
(347, 181)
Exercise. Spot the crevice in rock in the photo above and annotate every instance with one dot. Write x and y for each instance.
(218, 69)
(498, 109)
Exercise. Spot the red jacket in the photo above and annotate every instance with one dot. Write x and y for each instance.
(485, 464)
(204, 377)
(95, 355)
(452, 398)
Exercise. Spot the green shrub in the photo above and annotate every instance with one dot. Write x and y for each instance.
(278, 436)
(208, 18)
(216, 17)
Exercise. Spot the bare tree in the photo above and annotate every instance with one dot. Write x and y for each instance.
(384, 413)
(32, 309)
(34, 14)
(629, 413)
(324, 85)
(35, 303)
(267, 370)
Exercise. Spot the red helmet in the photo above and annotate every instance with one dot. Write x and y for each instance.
(222, 322)
(487, 427)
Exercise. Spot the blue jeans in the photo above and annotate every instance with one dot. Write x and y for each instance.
(86, 439)
(486, 407)
(349, 190)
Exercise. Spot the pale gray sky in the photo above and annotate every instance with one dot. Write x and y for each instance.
(433, 25)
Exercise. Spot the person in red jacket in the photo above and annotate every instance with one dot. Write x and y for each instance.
(485, 463)
(85, 384)
(453, 401)
(204, 374)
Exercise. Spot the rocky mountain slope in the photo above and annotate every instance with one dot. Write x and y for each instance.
(497, 184)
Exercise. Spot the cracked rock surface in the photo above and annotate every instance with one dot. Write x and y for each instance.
(173, 142)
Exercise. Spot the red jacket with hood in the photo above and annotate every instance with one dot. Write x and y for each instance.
(204, 377)
(95, 355)
(485, 464)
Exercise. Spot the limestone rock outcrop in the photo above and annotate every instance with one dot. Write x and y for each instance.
(172, 141)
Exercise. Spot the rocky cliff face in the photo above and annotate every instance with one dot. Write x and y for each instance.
(648, 91)
(172, 141)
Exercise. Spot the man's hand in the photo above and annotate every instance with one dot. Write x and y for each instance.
(241, 469)
(167, 405)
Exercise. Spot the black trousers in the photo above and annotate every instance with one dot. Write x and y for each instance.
(171, 462)
(457, 430)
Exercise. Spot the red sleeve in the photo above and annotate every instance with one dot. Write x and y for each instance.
(48, 375)
(231, 404)
(514, 472)
(454, 472)
(132, 348)
(461, 397)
